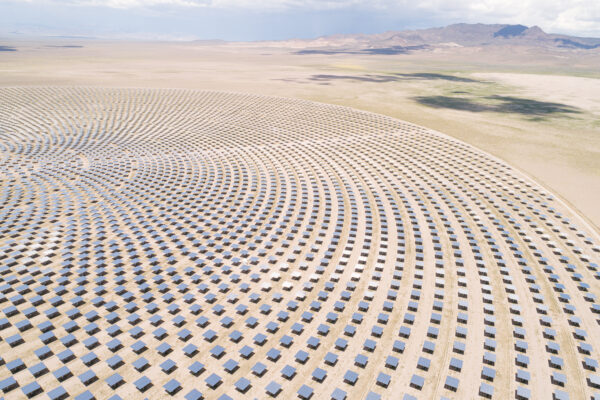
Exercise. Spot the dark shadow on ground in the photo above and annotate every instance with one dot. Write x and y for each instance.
(358, 78)
(7, 48)
(434, 76)
(67, 46)
(455, 103)
(382, 78)
(392, 50)
(500, 104)
(532, 107)
(571, 44)
(324, 52)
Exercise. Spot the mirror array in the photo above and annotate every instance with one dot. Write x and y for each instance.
(189, 244)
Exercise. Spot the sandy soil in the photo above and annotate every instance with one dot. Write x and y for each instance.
(559, 149)
(576, 91)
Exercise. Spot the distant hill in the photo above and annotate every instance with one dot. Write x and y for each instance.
(456, 35)
(510, 31)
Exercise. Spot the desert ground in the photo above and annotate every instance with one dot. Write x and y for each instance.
(539, 112)
(211, 220)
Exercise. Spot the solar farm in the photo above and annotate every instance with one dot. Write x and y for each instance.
(191, 244)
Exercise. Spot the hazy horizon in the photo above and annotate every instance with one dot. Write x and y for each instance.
(240, 20)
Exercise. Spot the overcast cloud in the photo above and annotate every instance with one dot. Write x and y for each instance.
(280, 19)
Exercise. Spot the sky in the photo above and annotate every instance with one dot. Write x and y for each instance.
(250, 20)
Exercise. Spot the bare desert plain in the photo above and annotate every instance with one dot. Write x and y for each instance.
(261, 220)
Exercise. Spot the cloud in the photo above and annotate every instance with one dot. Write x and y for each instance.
(579, 17)
(556, 16)
(265, 5)
(127, 4)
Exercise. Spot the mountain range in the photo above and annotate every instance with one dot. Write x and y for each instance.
(456, 35)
